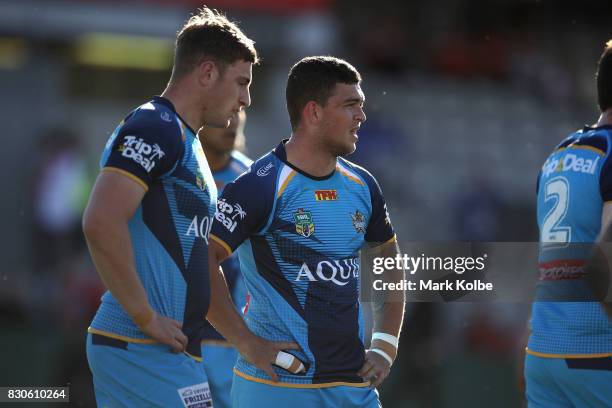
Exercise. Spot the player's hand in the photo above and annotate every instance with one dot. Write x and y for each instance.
(166, 331)
(375, 369)
(262, 353)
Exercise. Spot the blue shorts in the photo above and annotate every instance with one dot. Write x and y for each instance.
(139, 375)
(572, 382)
(251, 394)
(219, 362)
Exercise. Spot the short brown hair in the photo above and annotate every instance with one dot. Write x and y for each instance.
(604, 78)
(209, 34)
(314, 79)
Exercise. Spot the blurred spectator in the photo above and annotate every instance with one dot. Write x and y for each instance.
(60, 189)
(477, 212)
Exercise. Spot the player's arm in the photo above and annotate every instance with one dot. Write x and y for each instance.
(388, 305)
(113, 201)
(599, 270)
(242, 210)
(223, 316)
(388, 315)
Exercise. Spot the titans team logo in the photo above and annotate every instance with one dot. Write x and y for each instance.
(358, 221)
(303, 223)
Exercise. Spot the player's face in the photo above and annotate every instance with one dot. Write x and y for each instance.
(342, 116)
(230, 93)
(221, 140)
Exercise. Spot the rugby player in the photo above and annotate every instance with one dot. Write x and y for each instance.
(147, 225)
(299, 218)
(568, 360)
(221, 147)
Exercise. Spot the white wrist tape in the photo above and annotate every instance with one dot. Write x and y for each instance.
(289, 363)
(386, 337)
(382, 353)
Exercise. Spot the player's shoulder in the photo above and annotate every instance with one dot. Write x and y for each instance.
(260, 175)
(155, 117)
(598, 139)
(240, 160)
(350, 168)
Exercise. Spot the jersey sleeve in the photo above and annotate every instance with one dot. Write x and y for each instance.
(146, 147)
(605, 180)
(379, 229)
(242, 210)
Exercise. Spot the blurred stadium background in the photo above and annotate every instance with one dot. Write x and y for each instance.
(465, 98)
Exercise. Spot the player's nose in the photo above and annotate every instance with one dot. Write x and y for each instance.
(245, 98)
(361, 116)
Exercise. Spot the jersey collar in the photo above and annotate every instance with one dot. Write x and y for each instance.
(279, 151)
(166, 102)
(588, 128)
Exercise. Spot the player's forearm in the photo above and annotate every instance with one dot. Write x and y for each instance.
(388, 306)
(222, 313)
(111, 250)
(388, 317)
(388, 310)
(598, 267)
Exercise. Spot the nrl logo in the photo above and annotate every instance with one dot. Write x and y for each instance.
(358, 221)
(303, 223)
(201, 183)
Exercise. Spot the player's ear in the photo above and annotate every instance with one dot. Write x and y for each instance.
(207, 72)
(312, 113)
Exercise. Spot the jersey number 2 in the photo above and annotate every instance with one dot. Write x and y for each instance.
(556, 189)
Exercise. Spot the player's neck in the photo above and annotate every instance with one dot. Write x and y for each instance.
(189, 110)
(308, 157)
(217, 160)
(605, 119)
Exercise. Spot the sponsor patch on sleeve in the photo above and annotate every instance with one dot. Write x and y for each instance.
(141, 152)
(229, 215)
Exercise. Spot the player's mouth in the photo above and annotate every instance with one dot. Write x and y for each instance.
(354, 131)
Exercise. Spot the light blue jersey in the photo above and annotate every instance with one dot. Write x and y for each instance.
(573, 185)
(169, 235)
(298, 238)
(569, 361)
(169, 231)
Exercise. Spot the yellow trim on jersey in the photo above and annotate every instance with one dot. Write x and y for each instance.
(286, 183)
(196, 358)
(221, 242)
(591, 148)
(348, 176)
(377, 244)
(288, 385)
(132, 340)
(182, 127)
(217, 343)
(128, 174)
(392, 239)
(120, 337)
(548, 355)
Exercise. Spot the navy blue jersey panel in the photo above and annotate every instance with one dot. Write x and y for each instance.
(379, 228)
